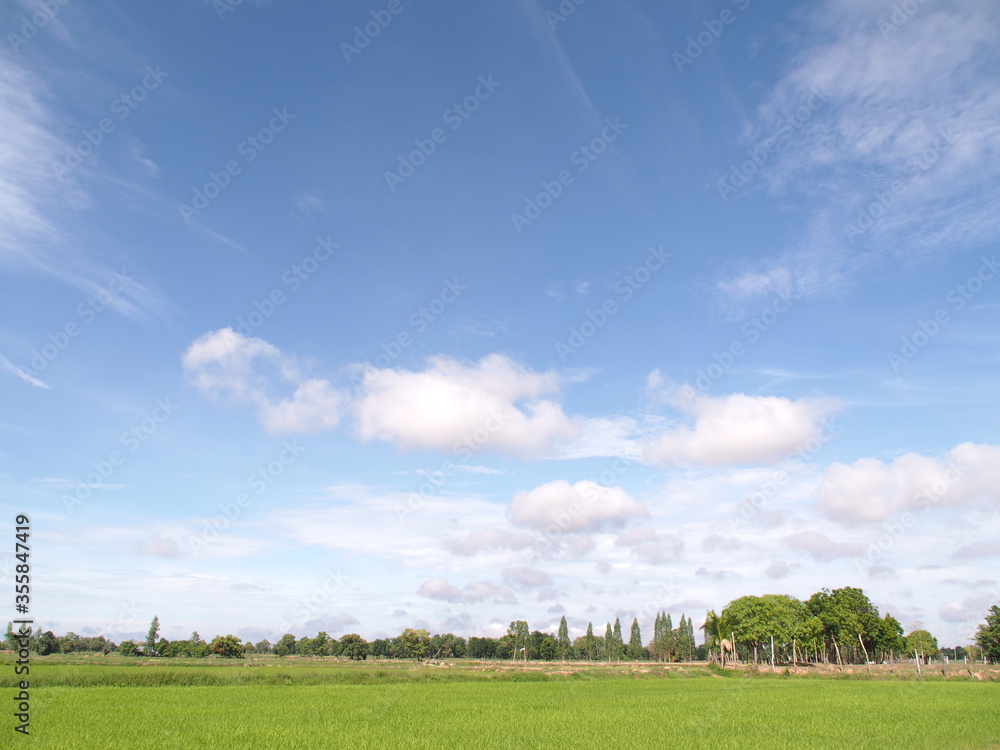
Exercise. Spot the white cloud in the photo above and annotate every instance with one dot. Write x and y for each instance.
(227, 364)
(820, 546)
(475, 591)
(780, 569)
(887, 98)
(988, 548)
(565, 507)
(872, 490)
(492, 405)
(25, 376)
(526, 577)
(158, 546)
(487, 539)
(738, 429)
(647, 544)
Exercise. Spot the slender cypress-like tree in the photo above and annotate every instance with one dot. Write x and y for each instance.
(619, 642)
(635, 641)
(564, 644)
(669, 639)
(609, 642)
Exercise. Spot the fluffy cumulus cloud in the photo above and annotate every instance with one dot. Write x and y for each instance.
(645, 543)
(492, 405)
(872, 490)
(820, 546)
(489, 539)
(526, 578)
(563, 507)
(475, 591)
(738, 429)
(226, 364)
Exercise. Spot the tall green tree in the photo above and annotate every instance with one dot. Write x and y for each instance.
(285, 645)
(152, 635)
(635, 641)
(521, 634)
(609, 643)
(847, 615)
(353, 646)
(922, 642)
(988, 635)
(564, 644)
(414, 644)
(619, 643)
(227, 646)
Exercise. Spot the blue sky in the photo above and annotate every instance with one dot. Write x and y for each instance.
(360, 318)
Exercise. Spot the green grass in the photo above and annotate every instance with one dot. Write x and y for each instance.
(579, 712)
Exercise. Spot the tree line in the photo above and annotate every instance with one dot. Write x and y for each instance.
(840, 626)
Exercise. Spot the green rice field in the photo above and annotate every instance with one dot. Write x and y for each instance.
(306, 705)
